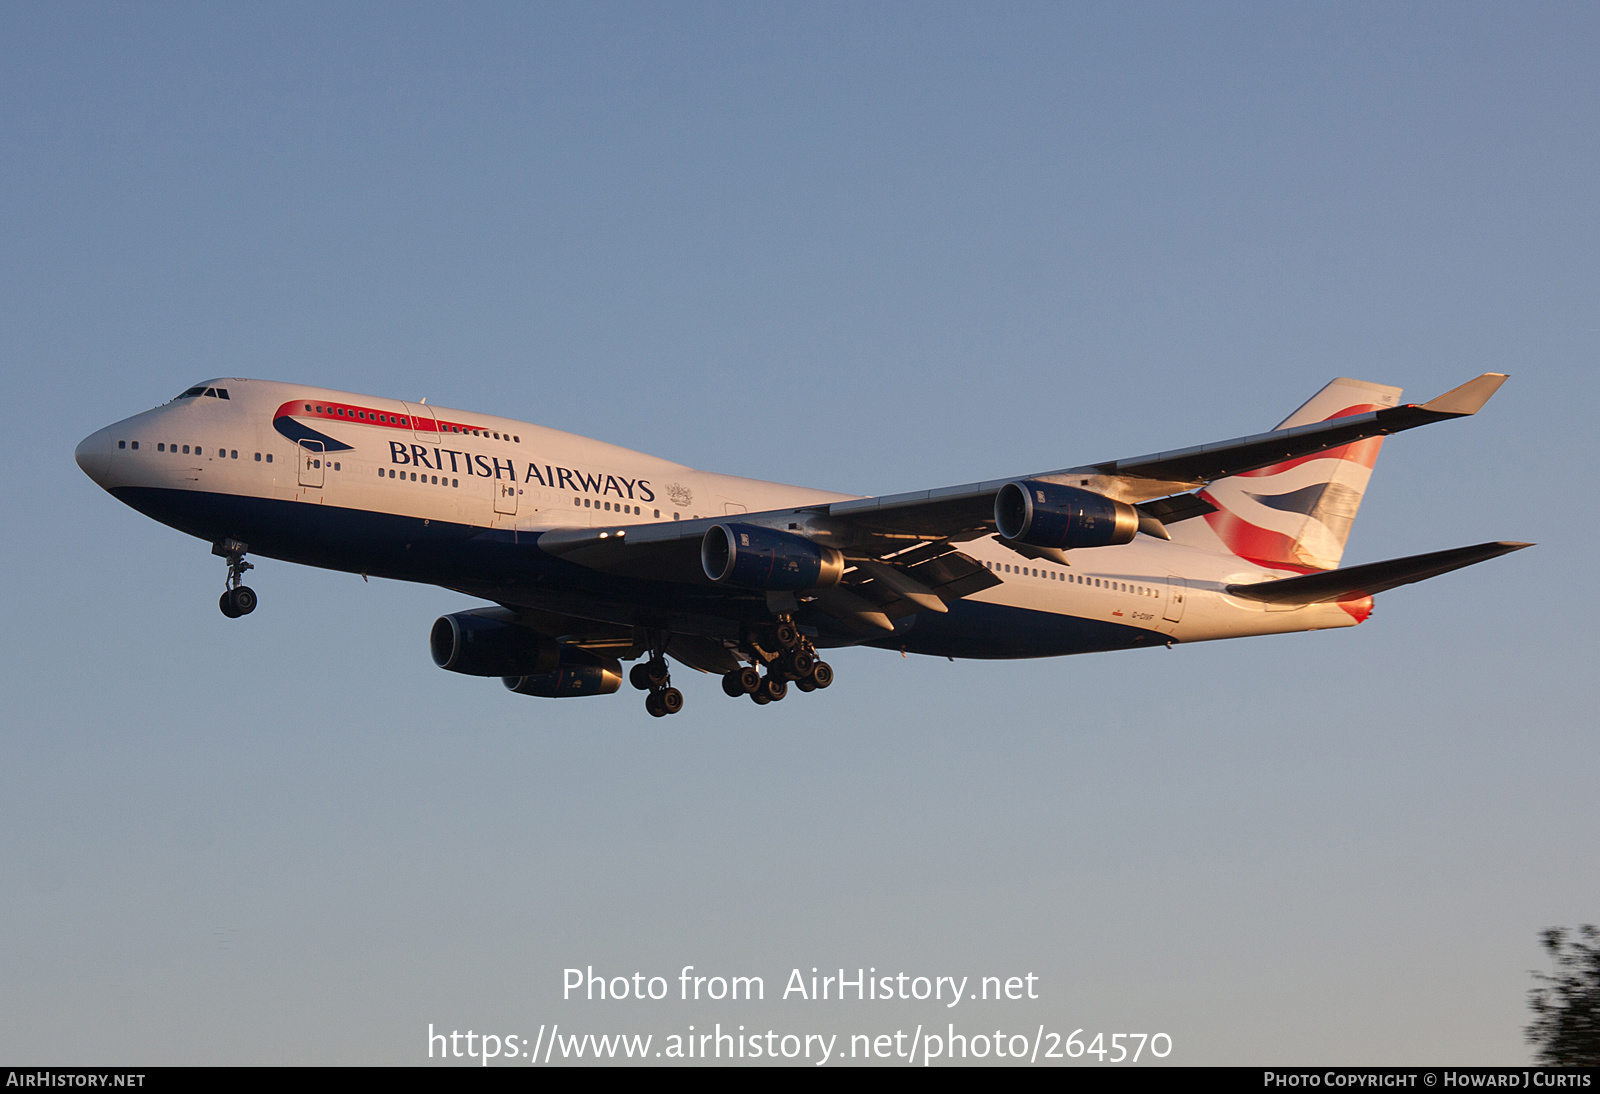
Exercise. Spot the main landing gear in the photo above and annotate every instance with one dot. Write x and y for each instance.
(655, 677)
(794, 661)
(238, 599)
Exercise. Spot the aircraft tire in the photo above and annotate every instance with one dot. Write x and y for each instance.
(731, 687)
(226, 604)
(639, 677)
(749, 679)
(787, 636)
(652, 703)
(760, 697)
(774, 688)
(822, 674)
(670, 700)
(805, 683)
(244, 600)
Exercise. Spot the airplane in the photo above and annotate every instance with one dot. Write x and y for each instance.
(592, 554)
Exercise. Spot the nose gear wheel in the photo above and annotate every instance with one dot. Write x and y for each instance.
(238, 598)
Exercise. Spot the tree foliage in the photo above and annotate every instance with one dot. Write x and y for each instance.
(1566, 1005)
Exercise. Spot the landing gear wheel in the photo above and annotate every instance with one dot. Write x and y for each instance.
(239, 599)
(731, 687)
(805, 683)
(669, 700)
(653, 704)
(821, 674)
(760, 698)
(787, 635)
(639, 677)
(773, 688)
(798, 664)
(749, 679)
(657, 671)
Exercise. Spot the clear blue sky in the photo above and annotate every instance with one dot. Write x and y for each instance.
(863, 247)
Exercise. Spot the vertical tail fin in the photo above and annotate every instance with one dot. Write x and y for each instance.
(1296, 515)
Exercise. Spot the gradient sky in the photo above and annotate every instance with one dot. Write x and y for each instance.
(864, 247)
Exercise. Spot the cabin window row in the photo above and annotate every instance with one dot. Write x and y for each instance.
(401, 419)
(617, 507)
(1078, 579)
(186, 450)
(433, 480)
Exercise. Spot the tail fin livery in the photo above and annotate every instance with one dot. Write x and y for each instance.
(1296, 515)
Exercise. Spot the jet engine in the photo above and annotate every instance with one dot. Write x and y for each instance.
(1047, 514)
(752, 557)
(577, 672)
(489, 643)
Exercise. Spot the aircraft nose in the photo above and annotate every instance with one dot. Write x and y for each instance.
(94, 455)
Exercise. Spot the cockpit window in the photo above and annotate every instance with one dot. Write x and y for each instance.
(222, 393)
(193, 392)
(211, 391)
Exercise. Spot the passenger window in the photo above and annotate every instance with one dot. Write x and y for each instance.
(258, 457)
(235, 454)
(658, 514)
(335, 466)
(161, 448)
(308, 408)
(269, 457)
(455, 482)
(136, 445)
(516, 440)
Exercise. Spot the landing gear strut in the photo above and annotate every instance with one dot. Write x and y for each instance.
(788, 656)
(655, 677)
(237, 599)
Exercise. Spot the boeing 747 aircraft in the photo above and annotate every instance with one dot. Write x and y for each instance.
(593, 554)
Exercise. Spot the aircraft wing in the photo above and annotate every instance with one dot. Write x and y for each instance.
(966, 512)
(903, 548)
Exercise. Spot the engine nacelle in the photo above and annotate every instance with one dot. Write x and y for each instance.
(489, 644)
(752, 557)
(1047, 514)
(578, 672)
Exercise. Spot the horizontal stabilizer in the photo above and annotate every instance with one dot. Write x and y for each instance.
(1372, 578)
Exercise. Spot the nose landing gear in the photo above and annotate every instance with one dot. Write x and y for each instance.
(655, 677)
(237, 599)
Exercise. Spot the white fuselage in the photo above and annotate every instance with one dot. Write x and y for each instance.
(437, 464)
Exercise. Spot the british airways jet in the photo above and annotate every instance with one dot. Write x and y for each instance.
(593, 554)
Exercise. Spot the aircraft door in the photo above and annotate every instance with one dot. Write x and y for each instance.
(423, 422)
(505, 497)
(311, 463)
(1177, 593)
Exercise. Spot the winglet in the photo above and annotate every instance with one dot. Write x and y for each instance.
(1469, 397)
